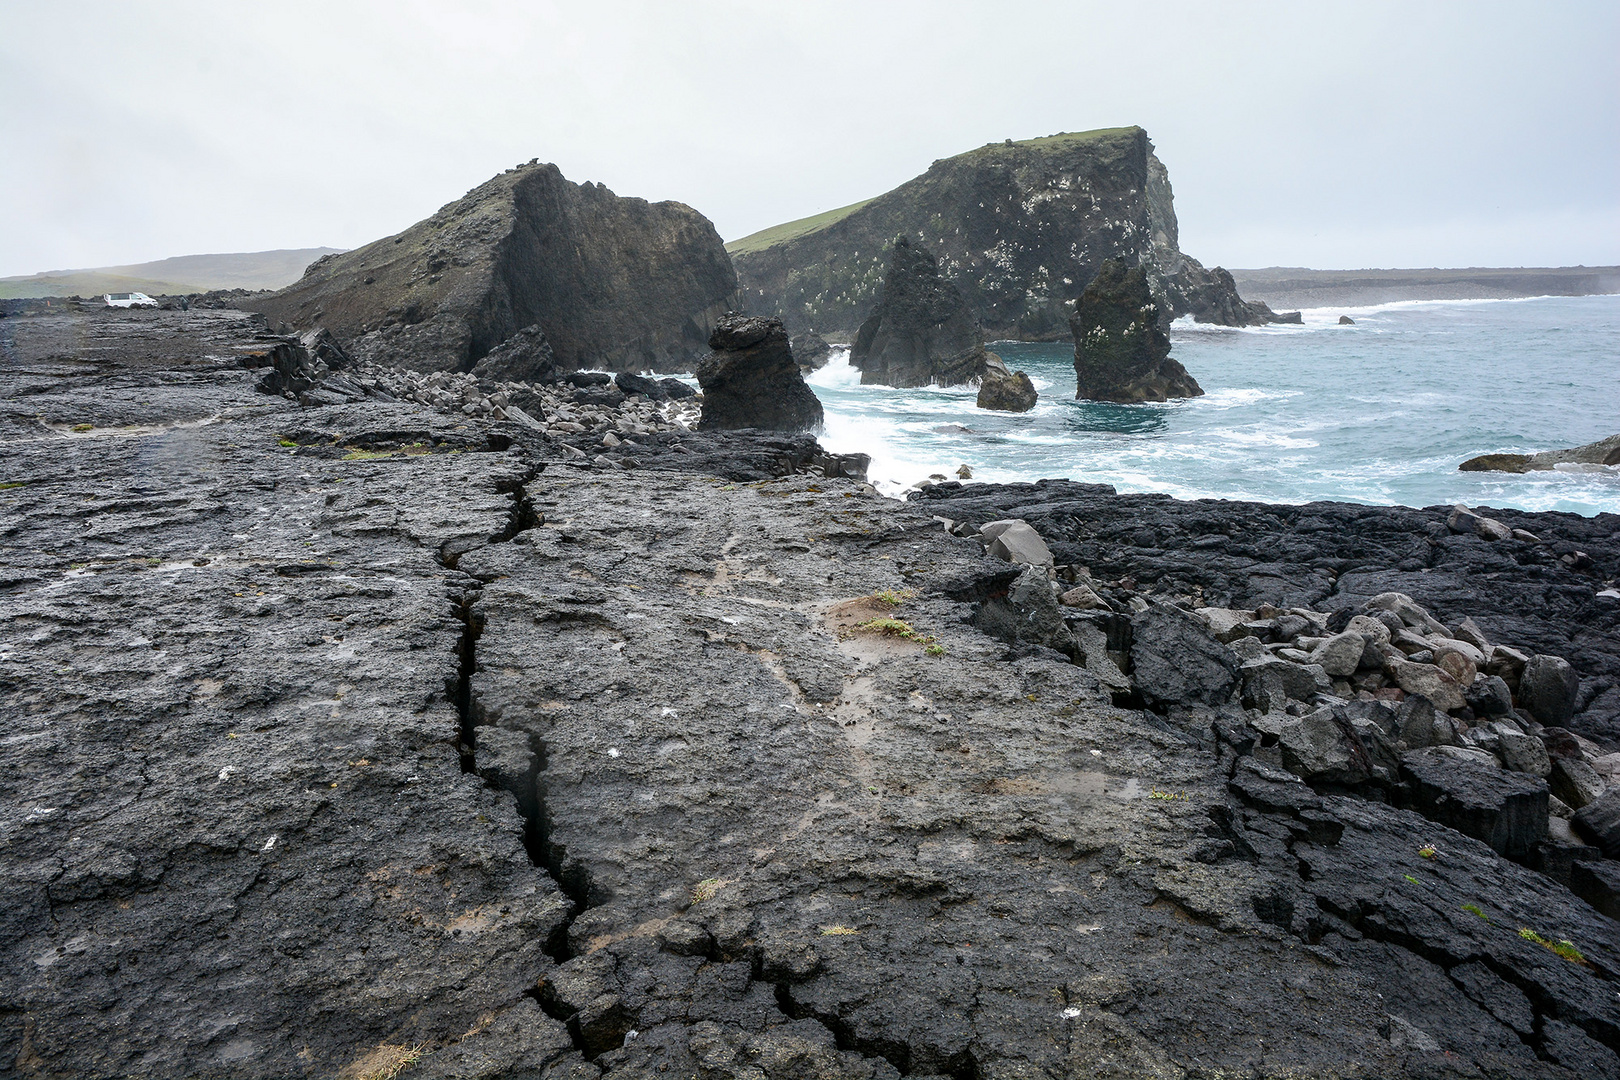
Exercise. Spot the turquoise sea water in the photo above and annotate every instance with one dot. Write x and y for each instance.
(1379, 412)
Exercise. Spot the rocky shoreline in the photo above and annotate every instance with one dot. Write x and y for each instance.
(411, 729)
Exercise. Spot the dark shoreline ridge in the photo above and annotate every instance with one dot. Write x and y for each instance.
(1299, 287)
(369, 729)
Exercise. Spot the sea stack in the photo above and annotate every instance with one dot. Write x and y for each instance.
(751, 380)
(1120, 352)
(1019, 227)
(923, 331)
(613, 283)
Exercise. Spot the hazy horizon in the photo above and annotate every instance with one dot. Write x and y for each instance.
(1365, 136)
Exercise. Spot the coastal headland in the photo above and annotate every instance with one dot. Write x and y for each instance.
(371, 722)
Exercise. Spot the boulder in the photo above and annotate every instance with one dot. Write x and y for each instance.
(1029, 613)
(1176, 660)
(1269, 683)
(1489, 696)
(1015, 541)
(1507, 810)
(614, 282)
(1082, 596)
(1369, 628)
(1340, 655)
(1599, 822)
(1522, 753)
(632, 383)
(922, 332)
(1574, 781)
(1548, 688)
(1407, 610)
(676, 390)
(1227, 624)
(1120, 352)
(1345, 320)
(1427, 680)
(751, 381)
(1598, 883)
(526, 356)
(811, 351)
(1465, 521)
(1003, 390)
(1329, 746)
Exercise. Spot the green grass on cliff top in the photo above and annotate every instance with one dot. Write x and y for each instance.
(792, 230)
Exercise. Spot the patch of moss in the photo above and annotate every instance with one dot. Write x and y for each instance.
(705, 890)
(1474, 909)
(83, 427)
(9, 484)
(1564, 948)
(894, 597)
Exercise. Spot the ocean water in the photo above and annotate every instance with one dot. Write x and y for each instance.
(1381, 412)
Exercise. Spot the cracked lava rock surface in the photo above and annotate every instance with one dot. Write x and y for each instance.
(448, 757)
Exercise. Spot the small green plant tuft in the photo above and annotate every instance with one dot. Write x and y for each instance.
(838, 931)
(1412, 879)
(83, 427)
(705, 890)
(1173, 796)
(1564, 948)
(901, 629)
(1428, 852)
(1473, 909)
(894, 597)
(285, 442)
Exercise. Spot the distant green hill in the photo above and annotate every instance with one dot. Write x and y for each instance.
(181, 274)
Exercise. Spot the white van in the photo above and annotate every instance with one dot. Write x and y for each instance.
(130, 299)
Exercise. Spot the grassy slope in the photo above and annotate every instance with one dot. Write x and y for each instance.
(792, 230)
(182, 274)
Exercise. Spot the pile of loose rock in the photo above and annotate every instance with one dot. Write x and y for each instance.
(1381, 700)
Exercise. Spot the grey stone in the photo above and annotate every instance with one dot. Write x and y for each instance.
(1523, 753)
(1574, 781)
(1341, 654)
(1489, 696)
(1464, 520)
(1017, 542)
(1428, 681)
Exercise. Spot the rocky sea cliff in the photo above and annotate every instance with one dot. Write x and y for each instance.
(367, 721)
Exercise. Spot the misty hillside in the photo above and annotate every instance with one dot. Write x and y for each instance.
(181, 274)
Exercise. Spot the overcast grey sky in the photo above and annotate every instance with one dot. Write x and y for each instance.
(1318, 134)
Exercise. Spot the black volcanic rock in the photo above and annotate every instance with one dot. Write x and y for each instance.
(1120, 352)
(1003, 390)
(615, 283)
(526, 356)
(1020, 227)
(923, 332)
(811, 350)
(752, 381)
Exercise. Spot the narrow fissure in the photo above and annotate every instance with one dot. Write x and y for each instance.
(527, 788)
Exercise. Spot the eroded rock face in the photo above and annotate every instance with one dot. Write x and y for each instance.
(615, 283)
(922, 332)
(1120, 352)
(1020, 227)
(750, 380)
(811, 350)
(1003, 390)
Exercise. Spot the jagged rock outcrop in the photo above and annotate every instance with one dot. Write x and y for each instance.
(923, 331)
(1602, 452)
(1020, 227)
(1003, 390)
(750, 380)
(613, 282)
(1120, 352)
